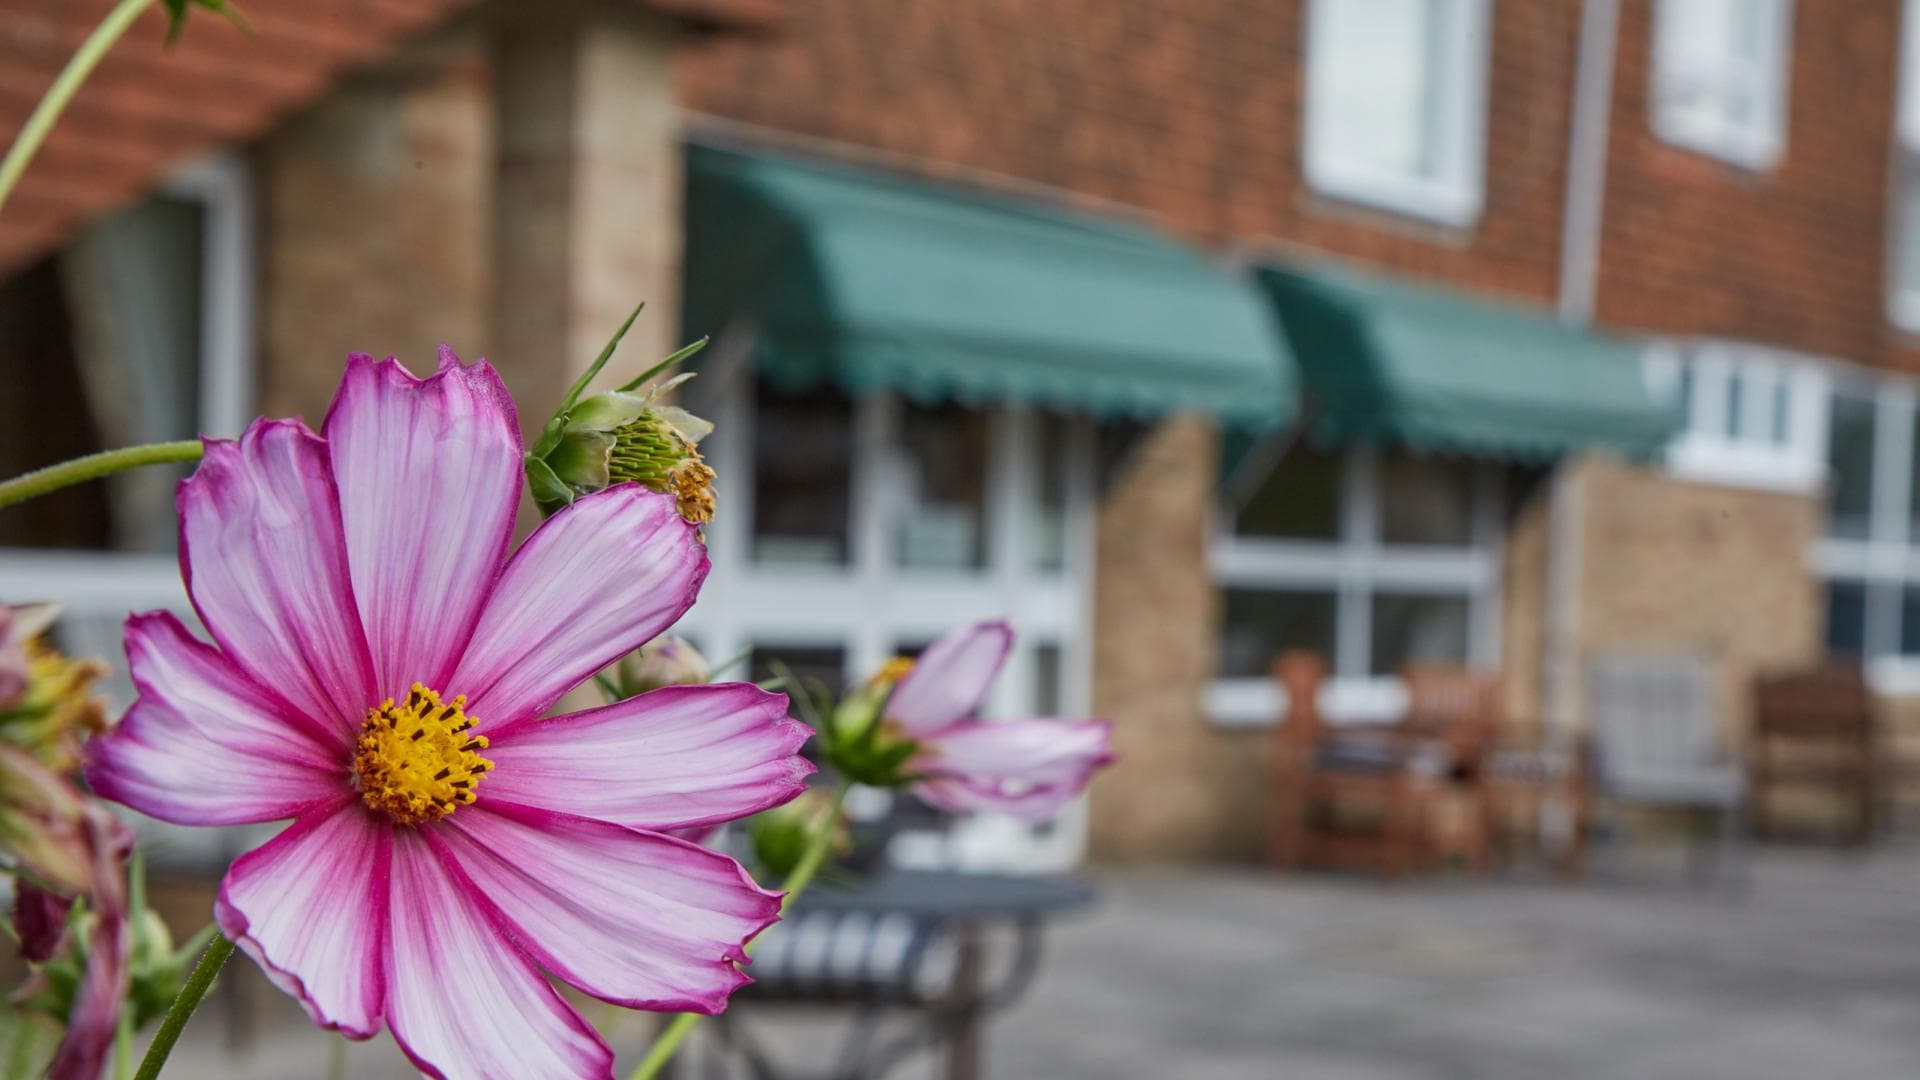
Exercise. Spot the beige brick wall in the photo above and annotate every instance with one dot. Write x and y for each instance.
(373, 223)
(1670, 564)
(1182, 789)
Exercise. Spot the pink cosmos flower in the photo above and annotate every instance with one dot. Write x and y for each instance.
(379, 671)
(1027, 768)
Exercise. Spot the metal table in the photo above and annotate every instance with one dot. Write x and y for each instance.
(902, 941)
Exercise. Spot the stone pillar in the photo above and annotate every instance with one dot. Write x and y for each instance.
(587, 199)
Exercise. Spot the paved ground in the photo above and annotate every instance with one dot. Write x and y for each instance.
(1814, 972)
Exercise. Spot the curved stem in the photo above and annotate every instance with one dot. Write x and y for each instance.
(27, 143)
(182, 1008)
(93, 467)
(675, 1033)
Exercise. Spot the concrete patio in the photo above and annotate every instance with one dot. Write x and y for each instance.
(1813, 970)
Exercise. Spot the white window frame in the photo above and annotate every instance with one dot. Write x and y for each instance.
(870, 608)
(1887, 560)
(101, 585)
(1903, 304)
(1356, 567)
(1701, 124)
(1703, 449)
(1455, 195)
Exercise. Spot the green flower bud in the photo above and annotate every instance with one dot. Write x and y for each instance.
(859, 742)
(780, 836)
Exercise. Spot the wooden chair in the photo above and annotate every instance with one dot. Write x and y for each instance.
(1815, 729)
(1395, 771)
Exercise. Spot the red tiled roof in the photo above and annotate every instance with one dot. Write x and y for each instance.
(148, 107)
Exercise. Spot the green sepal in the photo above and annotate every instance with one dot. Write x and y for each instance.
(580, 460)
(177, 15)
(604, 412)
(548, 491)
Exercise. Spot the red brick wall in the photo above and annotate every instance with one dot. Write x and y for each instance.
(1793, 255)
(1190, 111)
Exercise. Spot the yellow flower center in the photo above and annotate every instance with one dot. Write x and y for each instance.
(892, 671)
(415, 761)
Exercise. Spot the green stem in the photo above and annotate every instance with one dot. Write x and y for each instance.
(20, 1055)
(182, 1008)
(27, 143)
(675, 1033)
(93, 467)
(123, 1044)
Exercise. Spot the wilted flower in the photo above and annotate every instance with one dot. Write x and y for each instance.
(84, 850)
(664, 661)
(624, 436)
(379, 674)
(912, 724)
(47, 704)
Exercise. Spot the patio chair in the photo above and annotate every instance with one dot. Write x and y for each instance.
(1396, 771)
(1651, 717)
(1814, 728)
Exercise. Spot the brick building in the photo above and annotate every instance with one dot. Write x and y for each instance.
(1612, 211)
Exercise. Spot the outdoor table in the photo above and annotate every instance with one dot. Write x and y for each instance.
(872, 944)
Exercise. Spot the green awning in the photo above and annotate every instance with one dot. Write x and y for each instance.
(1438, 370)
(944, 293)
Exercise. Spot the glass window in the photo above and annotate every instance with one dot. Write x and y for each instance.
(1299, 500)
(1719, 77)
(1418, 629)
(1394, 92)
(1850, 439)
(101, 346)
(1047, 533)
(1425, 500)
(1261, 624)
(944, 468)
(1910, 621)
(1847, 618)
(802, 469)
(1047, 699)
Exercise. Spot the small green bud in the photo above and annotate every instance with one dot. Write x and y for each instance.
(780, 836)
(664, 661)
(860, 743)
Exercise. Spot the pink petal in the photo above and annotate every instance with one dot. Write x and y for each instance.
(266, 565)
(598, 579)
(462, 1000)
(204, 744)
(310, 906)
(1028, 768)
(669, 758)
(644, 920)
(950, 680)
(429, 475)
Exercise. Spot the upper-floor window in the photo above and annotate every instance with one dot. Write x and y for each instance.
(1750, 416)
(1395, 107)
(1903, 293)
(1720, 77)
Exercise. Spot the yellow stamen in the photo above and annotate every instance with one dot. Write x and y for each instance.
(692, 486)
(893, 670)
(415, 761)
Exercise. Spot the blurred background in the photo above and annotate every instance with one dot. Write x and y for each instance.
(1467, 448)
